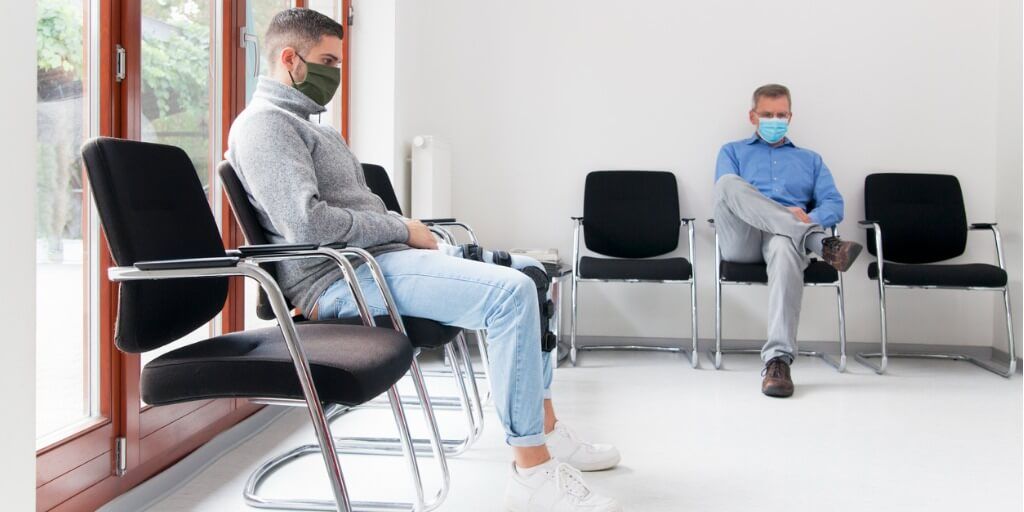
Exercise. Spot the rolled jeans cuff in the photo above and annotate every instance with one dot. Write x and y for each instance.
(526, 441)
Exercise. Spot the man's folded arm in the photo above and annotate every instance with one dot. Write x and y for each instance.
(727, 163)
(828, 202)
(278, 169)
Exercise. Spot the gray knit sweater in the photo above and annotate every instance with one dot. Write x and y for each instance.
(307, 187)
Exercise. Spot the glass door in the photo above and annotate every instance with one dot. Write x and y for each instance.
(178, 96)
(257, 17)
(67, 363)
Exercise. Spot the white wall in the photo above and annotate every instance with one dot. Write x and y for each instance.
(17, 293)
(372, 68)
(532, 95)
(1009, 162)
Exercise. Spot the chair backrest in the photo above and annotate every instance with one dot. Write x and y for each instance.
(249, 221)
(380, 183)
(152, 207)
(922, 216)
(631, 214)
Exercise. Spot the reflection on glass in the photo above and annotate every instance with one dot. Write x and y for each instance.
(258, 16)
(64, 348)
(332, 8)
(176, 93)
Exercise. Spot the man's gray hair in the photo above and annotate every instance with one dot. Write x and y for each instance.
(300, 29)
(770, 91)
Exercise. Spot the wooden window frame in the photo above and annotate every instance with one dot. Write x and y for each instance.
(78, 471)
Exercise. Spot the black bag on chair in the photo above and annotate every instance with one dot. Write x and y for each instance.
(548, 340)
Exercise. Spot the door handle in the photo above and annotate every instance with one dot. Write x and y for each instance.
(244, 38)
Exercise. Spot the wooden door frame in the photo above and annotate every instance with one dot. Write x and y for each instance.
(78, 472)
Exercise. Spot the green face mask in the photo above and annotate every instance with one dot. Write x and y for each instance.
(321, 82)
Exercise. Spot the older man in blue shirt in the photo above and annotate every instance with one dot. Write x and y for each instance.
(773, 201)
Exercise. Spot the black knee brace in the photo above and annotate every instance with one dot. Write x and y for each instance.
(548, 341)
(540, 279)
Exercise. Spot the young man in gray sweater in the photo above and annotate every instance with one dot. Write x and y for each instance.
(309, 188)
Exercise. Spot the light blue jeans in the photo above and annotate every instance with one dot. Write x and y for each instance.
(442, 286)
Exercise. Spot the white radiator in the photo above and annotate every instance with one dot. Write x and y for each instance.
(431, 178)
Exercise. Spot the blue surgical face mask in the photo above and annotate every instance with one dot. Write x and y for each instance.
(772, 130)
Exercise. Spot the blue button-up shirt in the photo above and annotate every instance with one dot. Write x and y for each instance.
(788, 175)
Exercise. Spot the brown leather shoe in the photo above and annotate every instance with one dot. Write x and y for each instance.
(840, 253)
(777, 382)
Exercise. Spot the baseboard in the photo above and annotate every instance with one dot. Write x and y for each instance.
(173, 478)
(704, 345)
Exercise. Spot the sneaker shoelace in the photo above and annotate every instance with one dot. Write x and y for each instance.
(569, 480)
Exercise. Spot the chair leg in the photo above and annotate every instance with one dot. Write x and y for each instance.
(716, 354)
(884, 354)
(326, 447)
(476, 403)
(840, 365)
(1010, 349)
(449, 447)
(574, 321)
(694, 353)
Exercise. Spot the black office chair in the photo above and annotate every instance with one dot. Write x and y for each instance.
(924, 222)
(632, 217)
(173, 271)
(817, 274)
(423, 333)
(379, 181)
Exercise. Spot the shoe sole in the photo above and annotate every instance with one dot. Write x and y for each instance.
(777, 394)
(590, 468)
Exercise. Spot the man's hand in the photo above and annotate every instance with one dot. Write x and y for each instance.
(799, 213)
(420, 236)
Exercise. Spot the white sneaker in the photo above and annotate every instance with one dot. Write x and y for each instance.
(553, 487)
(565, 446)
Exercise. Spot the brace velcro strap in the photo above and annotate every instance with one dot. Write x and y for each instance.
(473, 252)
(502, 258)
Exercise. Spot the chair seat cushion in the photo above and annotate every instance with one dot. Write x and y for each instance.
(350, 365)
(966, 275)
(423, 332)
(818, 272)
(675, 269)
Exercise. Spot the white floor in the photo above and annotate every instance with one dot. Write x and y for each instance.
(930, 436)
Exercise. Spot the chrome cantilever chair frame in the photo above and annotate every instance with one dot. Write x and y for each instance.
(246, 268)
(441, 229)
(469, 403)
(357, 445)
(692, 283)
(716, 354)
(884, 354)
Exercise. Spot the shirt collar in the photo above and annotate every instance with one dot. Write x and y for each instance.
(755, 138)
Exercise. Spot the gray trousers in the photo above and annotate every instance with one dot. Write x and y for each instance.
(753, 229)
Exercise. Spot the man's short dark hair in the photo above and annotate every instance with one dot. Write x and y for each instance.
(300, 29)
(771, 91)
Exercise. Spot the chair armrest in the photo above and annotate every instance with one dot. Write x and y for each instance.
(577, 219)
(996, 236)
(258, 250)
(711, 222)
(446, 220)
(867, 224)
(188, 264)
(687, 220)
